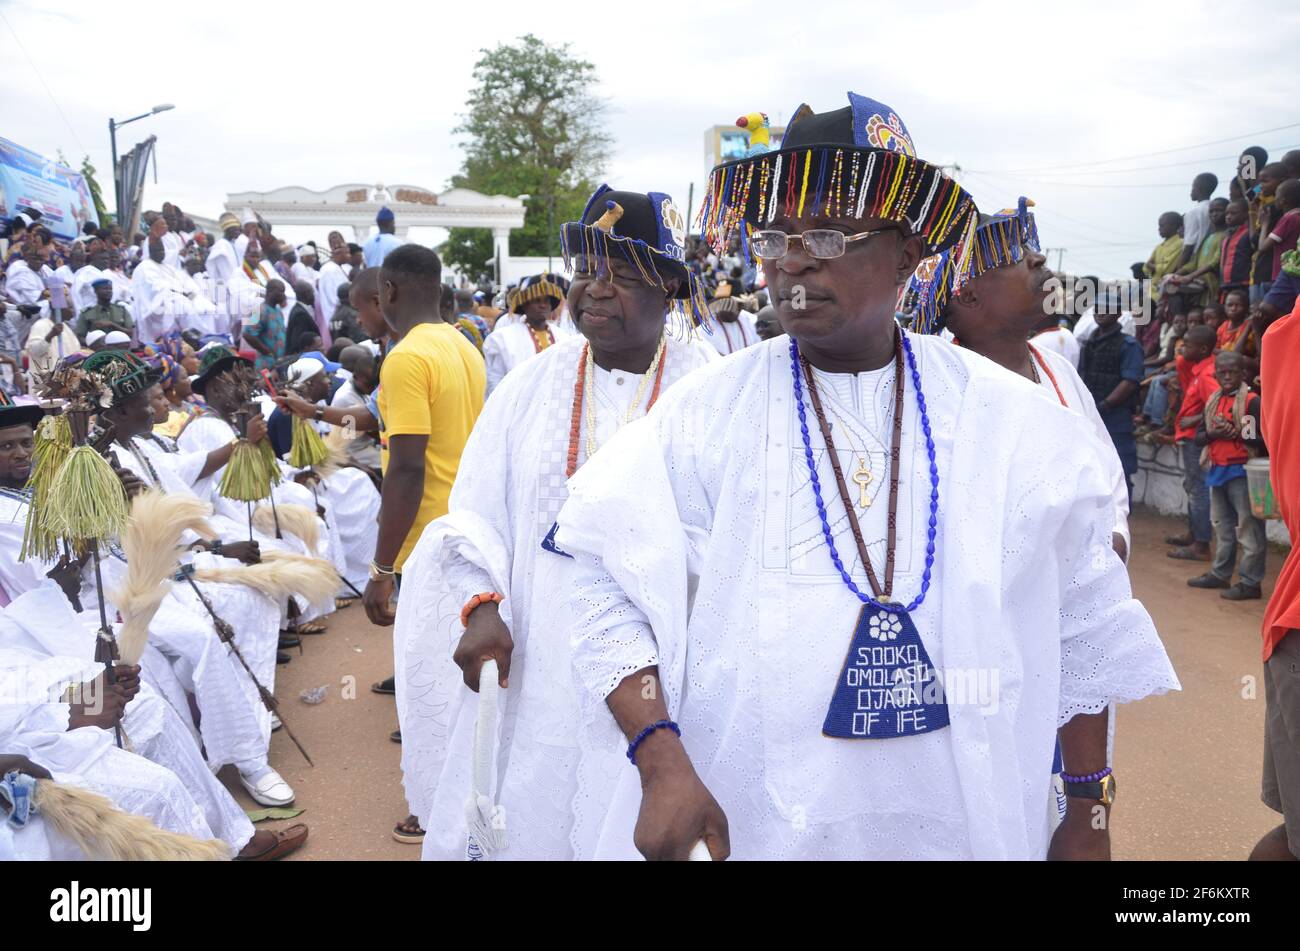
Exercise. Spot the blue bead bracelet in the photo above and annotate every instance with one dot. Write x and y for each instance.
(640, 737)
(1090, 778)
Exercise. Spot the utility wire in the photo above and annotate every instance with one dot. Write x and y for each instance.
(37, 71)
(1181, 148)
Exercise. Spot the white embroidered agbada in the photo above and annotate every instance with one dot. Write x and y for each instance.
(700, 550)
(45, 647)
(207, 432)
(328, 281)
(511, 342)
(728, 337)
(1061, 340)
(1079, 401)
(161, 300)
(509, 488)
(246, 294)
(82, 293)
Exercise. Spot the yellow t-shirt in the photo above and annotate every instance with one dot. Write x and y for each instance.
(431, 384)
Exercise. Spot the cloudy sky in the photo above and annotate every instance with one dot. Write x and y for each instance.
(1103, 115)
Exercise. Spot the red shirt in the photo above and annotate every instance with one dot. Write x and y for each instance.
(1198, 383)
(1288, 230)
(1230, 452)
(1281, 427)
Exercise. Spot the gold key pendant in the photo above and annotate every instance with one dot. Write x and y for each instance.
(863, 479)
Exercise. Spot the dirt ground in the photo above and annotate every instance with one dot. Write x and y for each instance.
(1187, 764)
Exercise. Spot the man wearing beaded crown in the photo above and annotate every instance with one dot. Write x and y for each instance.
(485, 580)
(531, 328)
(849, 621)
(993, 306)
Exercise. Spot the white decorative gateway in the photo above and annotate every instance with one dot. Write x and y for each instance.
(356, 205)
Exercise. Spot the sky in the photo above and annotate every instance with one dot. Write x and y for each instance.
(1102, 115)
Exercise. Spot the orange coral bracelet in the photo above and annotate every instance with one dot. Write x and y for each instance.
(474, 602)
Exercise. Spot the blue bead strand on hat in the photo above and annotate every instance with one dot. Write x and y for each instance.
(858, 161)
(1000, 240)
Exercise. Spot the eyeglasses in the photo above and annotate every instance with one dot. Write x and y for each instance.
(820, 243)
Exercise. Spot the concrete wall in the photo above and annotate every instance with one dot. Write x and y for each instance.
(1159, 485)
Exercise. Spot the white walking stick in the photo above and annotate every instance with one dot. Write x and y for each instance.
(485, 821)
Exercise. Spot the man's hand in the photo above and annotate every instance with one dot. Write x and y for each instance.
(307, 477)
(54, 332)
(1119, 545)
(130, 481)
(247, 552)
(295, 405)
(13, 762)
(67, 575)
(486, 637)
(256, 431)
(101, 704)
(377, 595)
(677, 810)
(1084, 836)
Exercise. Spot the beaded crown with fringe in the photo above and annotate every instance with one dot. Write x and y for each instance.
(857, 161)
(537, 287)
(999, 240)
(123, 372)
(646, 230)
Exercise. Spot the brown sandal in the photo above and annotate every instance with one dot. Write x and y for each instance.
(401, 833)
(309, 627)
(287, 841)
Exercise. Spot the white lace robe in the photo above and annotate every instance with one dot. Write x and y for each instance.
(45, 647)
(511, 343)
(510, 486)
(207, 432)
(699, 550)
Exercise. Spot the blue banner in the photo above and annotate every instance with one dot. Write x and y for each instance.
(28, 180)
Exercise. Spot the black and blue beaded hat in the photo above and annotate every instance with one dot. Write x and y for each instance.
(857, 161)
(1000, 240)
(18, 414)
(646, 230)
(554, 287)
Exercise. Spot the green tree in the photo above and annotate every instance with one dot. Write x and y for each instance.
(88, 173)
(533, 126)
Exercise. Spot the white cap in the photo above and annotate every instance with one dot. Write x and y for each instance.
(116, 337)
(305, 249)
(246, 217)
(303, 369)
(94, 337)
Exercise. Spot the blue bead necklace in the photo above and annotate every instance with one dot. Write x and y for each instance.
(796, 361)
(887, 688)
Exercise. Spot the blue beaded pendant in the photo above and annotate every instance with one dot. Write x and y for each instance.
(888, 687)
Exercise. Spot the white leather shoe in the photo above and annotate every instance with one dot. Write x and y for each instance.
(270, 790)
(275, 723)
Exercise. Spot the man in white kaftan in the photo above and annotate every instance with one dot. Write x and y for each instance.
(502, 507)
(46, 647)
(706, 593)
(495, 538)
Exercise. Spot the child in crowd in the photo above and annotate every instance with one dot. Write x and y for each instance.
(1196, 377)
(1231, 435)
(1162, 371)
(1281, 242)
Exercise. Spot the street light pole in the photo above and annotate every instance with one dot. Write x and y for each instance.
(113, 126)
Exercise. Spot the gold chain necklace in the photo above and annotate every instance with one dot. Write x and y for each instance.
(636, 400)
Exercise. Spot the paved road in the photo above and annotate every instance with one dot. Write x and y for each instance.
(1188, 764)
